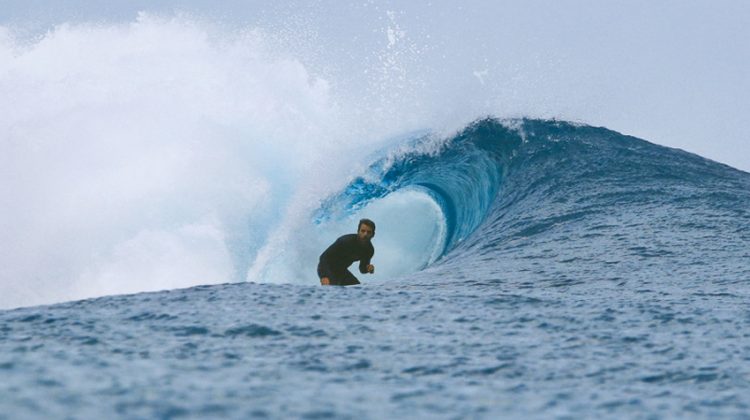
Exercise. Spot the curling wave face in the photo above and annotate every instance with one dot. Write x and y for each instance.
(591, 199)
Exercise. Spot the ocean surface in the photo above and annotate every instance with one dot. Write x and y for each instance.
(569, 272)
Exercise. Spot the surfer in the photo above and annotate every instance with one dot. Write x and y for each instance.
(335, 261)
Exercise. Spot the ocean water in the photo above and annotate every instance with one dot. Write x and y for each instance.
(561, 271)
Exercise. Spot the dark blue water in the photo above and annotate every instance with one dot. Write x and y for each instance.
(584, 274)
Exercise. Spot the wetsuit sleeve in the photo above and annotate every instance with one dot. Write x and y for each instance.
(324, 270)
(365, 261)
(324, 265)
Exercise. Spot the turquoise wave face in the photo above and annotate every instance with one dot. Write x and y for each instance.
(506, 187)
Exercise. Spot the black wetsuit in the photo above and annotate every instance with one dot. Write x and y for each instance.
(335, 261)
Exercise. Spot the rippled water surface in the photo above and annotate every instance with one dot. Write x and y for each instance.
(410, 349)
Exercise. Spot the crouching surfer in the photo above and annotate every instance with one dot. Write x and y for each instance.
(335, 261)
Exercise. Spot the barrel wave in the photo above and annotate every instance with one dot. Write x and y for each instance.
(168, 185)
(539, 195)
(579, 273)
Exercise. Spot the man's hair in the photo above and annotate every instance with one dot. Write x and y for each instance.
(367, 222)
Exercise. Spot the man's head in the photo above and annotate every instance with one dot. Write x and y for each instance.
(365, 230)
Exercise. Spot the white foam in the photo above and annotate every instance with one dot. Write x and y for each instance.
(165, 153)
(119, 141)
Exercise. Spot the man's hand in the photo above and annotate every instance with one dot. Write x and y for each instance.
(325, 281)
(371, 269)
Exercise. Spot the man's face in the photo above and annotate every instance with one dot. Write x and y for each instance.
(365, 233)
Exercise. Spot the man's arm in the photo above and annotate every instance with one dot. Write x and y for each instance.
(365, 266)
(330, 254)
(325, 270)
(325, 273)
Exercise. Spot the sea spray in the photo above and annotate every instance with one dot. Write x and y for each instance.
(148, 155)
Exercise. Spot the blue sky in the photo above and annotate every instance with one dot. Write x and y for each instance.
(672, 72)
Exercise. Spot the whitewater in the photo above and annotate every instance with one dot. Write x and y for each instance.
(168, 185)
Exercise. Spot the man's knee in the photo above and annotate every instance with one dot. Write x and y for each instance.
(348, 279)
(342, 281)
